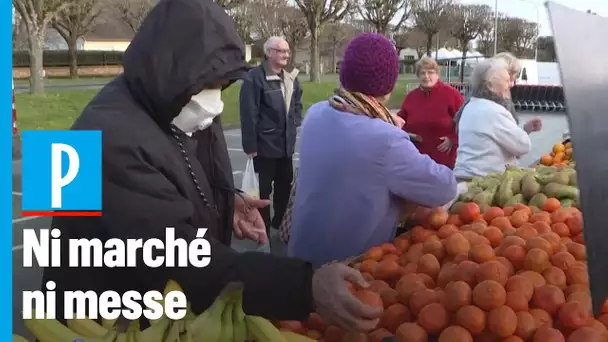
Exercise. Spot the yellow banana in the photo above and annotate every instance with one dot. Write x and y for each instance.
(19, 338)
(108, 323)
(172, 285)
(238, 320)
(227, 327)
(87, 327)
(262, 330)
(293, 337)
(50, 330)
(208, 325)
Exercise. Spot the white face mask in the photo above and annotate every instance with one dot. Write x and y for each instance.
(199, 113)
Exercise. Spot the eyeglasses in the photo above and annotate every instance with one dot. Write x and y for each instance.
(286, 51)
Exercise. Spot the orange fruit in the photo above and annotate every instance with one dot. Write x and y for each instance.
(520, 284)
(546, 159)
(489, 294)
(502, 321)
(559, 147)
(394, 316)
(517, 301)
(456, 244)
(549, 298)
(548, 334)
(456, 295)
(493, 270)
(374, 253)
(437, 218)
(422, 298)
(526, 325)
(492, 213)
(470, 212)
(551, 205)
(411, 331)
(471, 318)
(433, 318)
(369, 297)
(574, 315)
(455, 333)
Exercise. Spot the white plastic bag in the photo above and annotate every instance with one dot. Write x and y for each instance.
(250, 180)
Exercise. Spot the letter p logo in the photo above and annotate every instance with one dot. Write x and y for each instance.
(58, 180)
(61, 173)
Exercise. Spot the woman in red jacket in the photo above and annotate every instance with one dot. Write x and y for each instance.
(429, 112)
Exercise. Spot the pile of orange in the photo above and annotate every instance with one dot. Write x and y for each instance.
(561, 155)
(508, 275)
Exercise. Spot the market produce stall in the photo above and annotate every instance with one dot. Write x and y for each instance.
(507, 262)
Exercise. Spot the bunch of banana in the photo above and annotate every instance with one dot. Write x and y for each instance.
(19, 338)
(224, 321)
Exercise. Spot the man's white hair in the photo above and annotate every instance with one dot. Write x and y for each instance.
(271, 43)
(485, 73)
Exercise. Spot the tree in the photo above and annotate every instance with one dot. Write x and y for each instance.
(295, 29)
(267, 14)
(318, 13)
(380, 13)
(430, 17)
(466, 23)
(516, 35)
(526, 40)
(19, 34)
(546, 49)
(133, 12)
(413, 39)
(485, 41)
(37, 16)
(334, 37)
(74, 22)
(227, 5)
(243, 21)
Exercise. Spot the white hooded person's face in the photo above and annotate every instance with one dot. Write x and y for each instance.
(199, 112)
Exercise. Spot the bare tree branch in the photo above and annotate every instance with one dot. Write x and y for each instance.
(37, 14)
(516, 35)
(230, 4)
(381, 12)
(294, 28)
(267, 14)
(430, 17)
(74, 22)
(317, 14)
(133, 12)
(243, 20)
(466, 22)
(334, 38)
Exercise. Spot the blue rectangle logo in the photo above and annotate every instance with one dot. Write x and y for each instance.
(61, 173)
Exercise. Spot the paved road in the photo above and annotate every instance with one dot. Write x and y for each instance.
(29, 278)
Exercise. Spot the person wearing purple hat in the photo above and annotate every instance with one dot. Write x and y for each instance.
(357, 166)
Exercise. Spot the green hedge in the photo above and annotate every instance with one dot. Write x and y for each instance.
(60, 58)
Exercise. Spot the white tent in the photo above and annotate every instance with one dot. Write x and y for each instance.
(456, 53)
(443, 53)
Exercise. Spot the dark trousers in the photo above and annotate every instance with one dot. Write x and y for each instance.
(274, 173)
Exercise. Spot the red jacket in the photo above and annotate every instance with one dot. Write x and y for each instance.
(430, 114)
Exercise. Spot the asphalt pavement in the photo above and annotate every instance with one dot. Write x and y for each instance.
(554, 124)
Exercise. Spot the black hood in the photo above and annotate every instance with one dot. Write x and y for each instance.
(182, 47)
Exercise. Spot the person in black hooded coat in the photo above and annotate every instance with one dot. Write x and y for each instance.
(156, 176)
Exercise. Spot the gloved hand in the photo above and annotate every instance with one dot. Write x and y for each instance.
(336, 304)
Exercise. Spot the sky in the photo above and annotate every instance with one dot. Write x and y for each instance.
(535, 10)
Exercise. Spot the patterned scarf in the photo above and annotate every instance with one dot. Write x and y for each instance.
(361, 104)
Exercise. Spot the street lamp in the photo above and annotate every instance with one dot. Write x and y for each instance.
(537, 26)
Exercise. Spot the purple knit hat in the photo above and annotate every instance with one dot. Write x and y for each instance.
(370, 65)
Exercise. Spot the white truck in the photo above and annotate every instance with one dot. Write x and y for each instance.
(539, 73)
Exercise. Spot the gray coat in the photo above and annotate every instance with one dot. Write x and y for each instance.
(507, 103)
(271, 111)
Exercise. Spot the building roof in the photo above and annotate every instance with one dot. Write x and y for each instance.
(110, 30)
